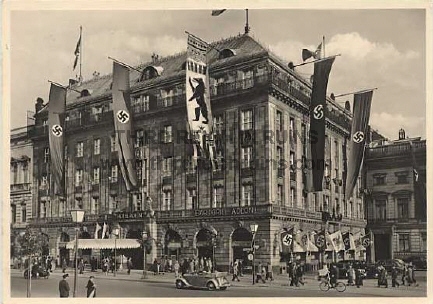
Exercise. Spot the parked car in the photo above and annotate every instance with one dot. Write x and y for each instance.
(37, 272)
(204, 280)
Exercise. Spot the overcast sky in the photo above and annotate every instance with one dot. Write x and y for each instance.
(380, 48)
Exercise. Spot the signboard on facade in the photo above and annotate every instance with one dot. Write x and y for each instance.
(233, 211)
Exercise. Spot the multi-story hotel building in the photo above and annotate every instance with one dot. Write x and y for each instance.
(261, 113)
(395, 216)
(21, 166)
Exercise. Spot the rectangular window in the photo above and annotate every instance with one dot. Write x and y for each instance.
(292, 161)
(279, 121)
(191, 199)
(247, 195)
(80, 148)
(280, 198)
(141, 103)
(403, 242)
(292, 128)
(15, 173)
(78, 177)
(402, 177)
(218, 122)
(113, 143)
(26, 173)
(139, 138)
(379, 179)
(96, 176)
(44, 181)
(168, 134)
(23, 213)
(167, 165)
(380, 209)
(403, 208)
(114, 173)
(247, 156)
(46, 155)
(292, 197)
(423, 241)
(43, 209)
(218, 197)
(166, 200)
(94, 207)
(97, 146)
(13, 214)
(247, 120)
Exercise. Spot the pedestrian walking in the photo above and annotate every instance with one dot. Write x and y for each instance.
(394, 274)
(64, 287)
(358, 278)
(129, 265)
(64, 265)
(333, 275)
(176, 269)
(350, 276)
(236, 271)
(269, 272)
(259, 274)
(300, 275)
(81, 265)
(91, 287)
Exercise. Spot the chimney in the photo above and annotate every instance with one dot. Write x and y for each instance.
(333, 96)
(39, 104)
(347, 105)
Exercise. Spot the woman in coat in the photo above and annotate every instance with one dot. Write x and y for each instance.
(91, 288)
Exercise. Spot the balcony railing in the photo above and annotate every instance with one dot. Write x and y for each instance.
(238, 85)
(395, 149)
(378, 221)
(20, 187)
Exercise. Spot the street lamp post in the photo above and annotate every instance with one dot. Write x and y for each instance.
(77, 217)
(144, 254)
(115, 233)
(254, 228)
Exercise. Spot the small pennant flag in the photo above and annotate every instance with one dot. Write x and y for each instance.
(104, 230)
(77, 52)
(316, 54)
(98, 227)
(218, 12)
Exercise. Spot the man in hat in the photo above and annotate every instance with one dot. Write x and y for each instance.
(64, 287)
(91, 287)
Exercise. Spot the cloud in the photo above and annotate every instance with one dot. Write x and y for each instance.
(388, 124)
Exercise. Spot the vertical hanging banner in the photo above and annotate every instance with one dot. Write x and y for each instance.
(198, 95)
(320, 240)
(420, 190)
(287, 241)
(322, 69)
(123, 125)
(361, 116)
(56, 121)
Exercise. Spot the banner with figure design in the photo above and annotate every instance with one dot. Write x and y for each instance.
(322, 68)
(123, 125)
(198, 96)
(361, 116)
(56, 124)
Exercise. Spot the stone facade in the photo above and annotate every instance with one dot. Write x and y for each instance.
(260, 110)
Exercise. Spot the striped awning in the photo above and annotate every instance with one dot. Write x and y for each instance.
(104, 244)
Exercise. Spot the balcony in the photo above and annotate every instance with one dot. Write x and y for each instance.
(20, 188)
(389, 221)
(169, 101)
(395, 149)
(238, 85)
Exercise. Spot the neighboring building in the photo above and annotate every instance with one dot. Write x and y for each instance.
(394, 215)
(20, 184)
(256, 99)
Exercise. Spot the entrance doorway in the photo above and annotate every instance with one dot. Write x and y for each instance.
(205, 244)
(172, 244)
(382, 246)
(241, 247)
(136, 254)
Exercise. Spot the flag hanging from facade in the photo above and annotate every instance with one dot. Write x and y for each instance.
(218, 12)
(366, 240)
(308, 54)
(349, 242)
(320, 240)
(98, 227)
(77, 51)
(104, 230)
(198, 96)
(361, 116)
(287, 241)
(420, 190)
(56, 124)
(336, 239)
(123, 125)
(317, 120)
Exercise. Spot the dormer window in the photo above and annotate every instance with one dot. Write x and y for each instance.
(226, 53)
(151, 72)
(85, 93)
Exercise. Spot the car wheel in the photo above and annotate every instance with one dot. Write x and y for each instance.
(223, 288)
(179, 284)
(211, 286)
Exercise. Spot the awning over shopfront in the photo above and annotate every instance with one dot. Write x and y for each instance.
(297, 248)
(311, 247)
(104, 244)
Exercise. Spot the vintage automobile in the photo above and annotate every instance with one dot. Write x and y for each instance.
(37, 272)
(210, 281)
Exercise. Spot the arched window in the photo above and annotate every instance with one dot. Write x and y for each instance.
(151, 72)
(85, 93)
(226, 53)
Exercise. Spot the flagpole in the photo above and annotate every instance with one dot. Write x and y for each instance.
(81, 51)
(323, 44)
(62, 86)
(318, 60)
(358, 92)
(124, 64)
(247, 27)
